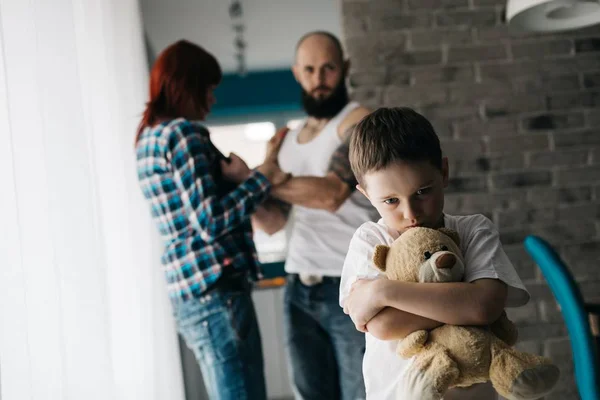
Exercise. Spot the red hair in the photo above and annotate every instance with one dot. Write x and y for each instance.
(179, 81)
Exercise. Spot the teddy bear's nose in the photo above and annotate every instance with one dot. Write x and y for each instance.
(446, 261)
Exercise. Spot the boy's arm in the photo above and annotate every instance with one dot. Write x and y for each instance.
(476, 303)
(393, 324)
(390, 323)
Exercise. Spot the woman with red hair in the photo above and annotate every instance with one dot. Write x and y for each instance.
(202, 203)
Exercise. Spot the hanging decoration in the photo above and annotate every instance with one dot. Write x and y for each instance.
(236, 13)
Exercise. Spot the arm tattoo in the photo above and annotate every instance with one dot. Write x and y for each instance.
(339, 163)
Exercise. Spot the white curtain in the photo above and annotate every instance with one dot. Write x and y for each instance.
(83, 306)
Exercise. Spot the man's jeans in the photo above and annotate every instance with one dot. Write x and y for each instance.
(325, 350)
(222, 330)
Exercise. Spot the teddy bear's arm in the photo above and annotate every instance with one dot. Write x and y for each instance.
(412, 344)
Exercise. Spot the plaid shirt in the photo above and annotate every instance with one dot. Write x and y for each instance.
(203, 219)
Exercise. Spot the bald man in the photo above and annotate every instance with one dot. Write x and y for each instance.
(324, 348)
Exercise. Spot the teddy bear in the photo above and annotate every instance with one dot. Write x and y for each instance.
(458, 356)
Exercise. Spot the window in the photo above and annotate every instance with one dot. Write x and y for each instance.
(294, 123)
(246, 140)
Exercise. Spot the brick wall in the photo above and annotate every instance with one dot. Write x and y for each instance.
(519, 120)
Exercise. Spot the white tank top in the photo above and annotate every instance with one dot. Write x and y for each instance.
(320, 239)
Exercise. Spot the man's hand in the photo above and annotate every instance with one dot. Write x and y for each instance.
(364, 302)
(274, 145)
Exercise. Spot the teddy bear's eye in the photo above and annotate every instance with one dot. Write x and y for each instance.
(445, 248)
(427, 255)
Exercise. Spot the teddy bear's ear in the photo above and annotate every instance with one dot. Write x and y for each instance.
(380, 255)
(452, 234)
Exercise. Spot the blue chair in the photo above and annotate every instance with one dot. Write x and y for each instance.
(574, 312)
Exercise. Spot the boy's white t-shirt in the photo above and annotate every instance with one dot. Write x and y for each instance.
(484, 258)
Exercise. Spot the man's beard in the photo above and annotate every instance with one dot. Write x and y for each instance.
(329, 106)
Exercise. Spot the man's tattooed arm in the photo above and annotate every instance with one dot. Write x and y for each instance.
(339, 163)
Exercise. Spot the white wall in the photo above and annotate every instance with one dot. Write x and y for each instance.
(272, 27)
(83, 309)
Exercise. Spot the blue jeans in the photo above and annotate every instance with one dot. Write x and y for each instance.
(325, 350)
(222, 330)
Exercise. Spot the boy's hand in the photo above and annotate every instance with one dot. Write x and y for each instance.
(364, 302)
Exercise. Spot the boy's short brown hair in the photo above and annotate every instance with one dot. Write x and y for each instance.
(390, 135)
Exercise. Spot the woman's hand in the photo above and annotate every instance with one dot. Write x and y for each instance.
(236, 170)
